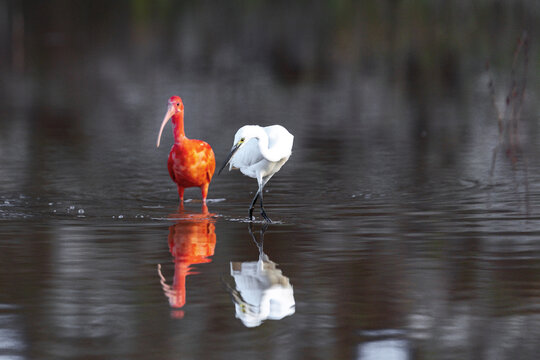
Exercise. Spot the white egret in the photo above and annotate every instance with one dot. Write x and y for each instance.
(259, 152)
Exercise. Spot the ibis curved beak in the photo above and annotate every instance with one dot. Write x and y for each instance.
(168, 115)
(233, 151)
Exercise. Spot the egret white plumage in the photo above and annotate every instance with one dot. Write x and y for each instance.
(259, 152)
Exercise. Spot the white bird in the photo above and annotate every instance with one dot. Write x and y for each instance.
(259, 152)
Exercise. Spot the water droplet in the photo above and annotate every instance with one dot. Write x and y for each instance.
(80, 211)
(72, 207)
(51, 204)
(120, 216)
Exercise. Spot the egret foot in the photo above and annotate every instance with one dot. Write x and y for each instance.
(266, 218)
(263, 213)
(250, 216)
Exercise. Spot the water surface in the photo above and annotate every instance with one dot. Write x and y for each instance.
(390, 237)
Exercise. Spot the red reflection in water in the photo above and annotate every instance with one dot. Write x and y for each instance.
(192, 240)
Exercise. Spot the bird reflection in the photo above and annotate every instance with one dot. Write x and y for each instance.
(262, 291)
(192, 240)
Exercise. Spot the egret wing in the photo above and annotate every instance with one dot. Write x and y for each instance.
(280, 140)
(247, 155)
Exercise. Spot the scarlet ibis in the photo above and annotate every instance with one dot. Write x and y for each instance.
(191, 162)
(259, 152)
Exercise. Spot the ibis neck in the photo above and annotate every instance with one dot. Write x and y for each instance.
(178, 298)
(178, 127)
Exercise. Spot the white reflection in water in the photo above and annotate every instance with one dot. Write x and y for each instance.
(262, 291)
(11, 340)
(389, 349)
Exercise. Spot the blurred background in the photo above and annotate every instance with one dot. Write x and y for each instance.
(406, 218)
(83, 76)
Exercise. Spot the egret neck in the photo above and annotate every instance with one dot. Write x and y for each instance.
(262, 138)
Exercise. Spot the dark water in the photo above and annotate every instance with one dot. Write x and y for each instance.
(391, 240)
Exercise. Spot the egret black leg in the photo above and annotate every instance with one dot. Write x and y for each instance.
(250, 229)
(252, 205)
(259, 242)
(263, 230)
(263, 213)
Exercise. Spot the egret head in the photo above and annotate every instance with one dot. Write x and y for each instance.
(242, 136)
(175, 106)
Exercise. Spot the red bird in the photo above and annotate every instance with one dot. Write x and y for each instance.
(191, 162)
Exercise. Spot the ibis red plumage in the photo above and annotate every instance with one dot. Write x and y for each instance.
(191, 162)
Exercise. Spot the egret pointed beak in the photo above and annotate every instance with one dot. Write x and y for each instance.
(168, 115)
(233, 151)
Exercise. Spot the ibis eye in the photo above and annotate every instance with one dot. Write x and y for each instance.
(177, 104)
